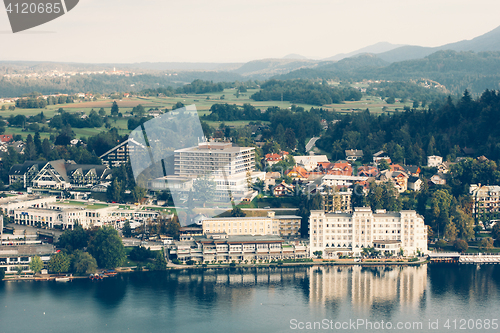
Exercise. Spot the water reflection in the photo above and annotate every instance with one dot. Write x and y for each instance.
(365, 286)
(252, 299)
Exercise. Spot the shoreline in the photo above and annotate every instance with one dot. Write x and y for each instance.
(121, 270)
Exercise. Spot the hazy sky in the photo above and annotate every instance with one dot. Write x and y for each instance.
(117, 31)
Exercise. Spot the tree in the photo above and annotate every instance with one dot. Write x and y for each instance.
(138, 110)
(440, 244)
(30, 149)
(160, 264)
(114, 109)
(140, 253)
(318, 254)
(59, 263)
(102, 112)
(450, 231)
(138, 193)
(237, 212)
(290, 141)
(173, 227)
(486, 244)
(36, 264)
(38, 143)
(464, 223)
(46, 147)
(127, 230)
(73, 240)
(114, 191)
(358, 198)
(82, 263)
(390, 100)
(495, 231)
(460, 245)
(2, 273)
(383, 165)
(178, 105)
(107, 248)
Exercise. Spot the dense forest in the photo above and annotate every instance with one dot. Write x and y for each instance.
(306, 92)
(443, 129)
(419, 91)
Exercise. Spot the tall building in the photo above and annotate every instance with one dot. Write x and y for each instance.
(217, 158)
(231, 168)
(337, 234)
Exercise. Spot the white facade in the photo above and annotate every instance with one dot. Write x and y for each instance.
(341, 180)
(63, 216)
(434, 161)
(486, 198)
(9, 204)
(281, 225)
(310, 162)
(217, 158)
(347, 234)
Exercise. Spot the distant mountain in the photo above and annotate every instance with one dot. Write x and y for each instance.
(352, 63)
(489, 41)
(261, 69)
(375, 48)
(295, 56)
(184, 66)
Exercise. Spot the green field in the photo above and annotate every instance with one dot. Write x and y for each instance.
(374, 104)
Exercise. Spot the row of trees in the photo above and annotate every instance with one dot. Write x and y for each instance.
(41, 103)
(305, 92)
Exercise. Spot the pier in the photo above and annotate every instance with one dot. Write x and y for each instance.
(455, 257)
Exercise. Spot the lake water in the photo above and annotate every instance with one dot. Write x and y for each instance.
(262, 300)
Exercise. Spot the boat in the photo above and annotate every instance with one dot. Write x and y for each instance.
(110, 273)
(62, 279)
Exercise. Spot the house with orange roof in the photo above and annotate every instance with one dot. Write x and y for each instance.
(341, 168)
(272, 159)
(298, 173)
(6, 138)
(396, 167)
(367, 171)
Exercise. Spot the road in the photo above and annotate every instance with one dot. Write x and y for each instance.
(311, 143)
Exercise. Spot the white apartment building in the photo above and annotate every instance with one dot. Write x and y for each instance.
(231, 168)
(63, 216)
(434, 161)
(278, 225)
(217, 158)
(486, 198)
(338, 234)
(9, 204)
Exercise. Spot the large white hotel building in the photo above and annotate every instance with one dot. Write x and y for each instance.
(337, 234)
(231, 168)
